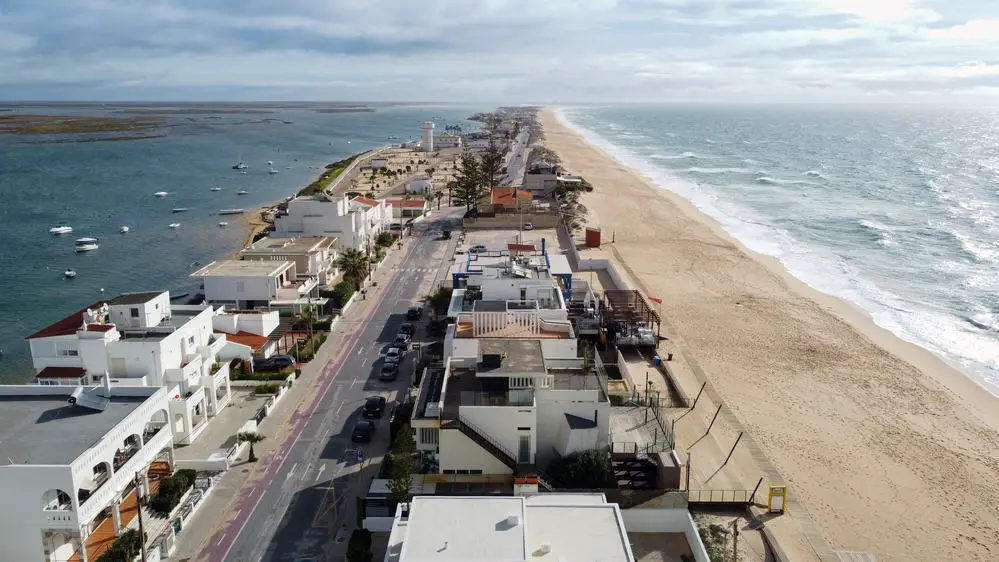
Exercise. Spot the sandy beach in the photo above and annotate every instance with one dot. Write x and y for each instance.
(891, 450)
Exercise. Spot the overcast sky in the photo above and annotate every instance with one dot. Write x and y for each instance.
(546, 51)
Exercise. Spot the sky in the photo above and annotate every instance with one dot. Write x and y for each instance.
(537, 51)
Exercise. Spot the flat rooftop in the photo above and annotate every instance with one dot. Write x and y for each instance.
(549, 527)
(299, 245)
(244, 268)
(135, 298)
(516, 356)
(41, 429)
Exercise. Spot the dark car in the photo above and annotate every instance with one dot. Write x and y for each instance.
(402, 341)
(373, 407)
(275, 363)
(414, 313)
(363, 431)
(407, 328)
(389, 371)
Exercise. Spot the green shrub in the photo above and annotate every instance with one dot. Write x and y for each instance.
(307, 351)
(171, 490)
(269, 388)
(342, 292)
(582, 470)
(384, 239)
(260, 235)
(125, 549)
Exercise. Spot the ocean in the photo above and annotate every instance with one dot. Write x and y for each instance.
(97, 187)
(893, 209)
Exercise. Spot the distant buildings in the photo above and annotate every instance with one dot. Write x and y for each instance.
(419, 186)
(448, 140)
(73, 460)
(141, 340)
(405, 210)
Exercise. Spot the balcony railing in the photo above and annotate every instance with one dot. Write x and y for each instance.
(523, 397)
(122, 457)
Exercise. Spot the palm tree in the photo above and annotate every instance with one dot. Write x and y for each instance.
(354, 265)
(438, 196)
(251, 437)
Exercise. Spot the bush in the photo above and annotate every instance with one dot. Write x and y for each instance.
(125, 549)
(307, 351)
(359, 546)
(342, 292)
(584, 469)
(269, 388)
(384, 239)
(171, 490)
(260, 235)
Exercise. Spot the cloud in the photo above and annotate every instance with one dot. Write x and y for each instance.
(496, 50)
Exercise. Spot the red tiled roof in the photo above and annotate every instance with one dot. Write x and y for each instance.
(521, 247)
(253, 341)
(61, 373)
(66, 326)
(508, 196)
(366, 201)
(412, 203)
(100, 327)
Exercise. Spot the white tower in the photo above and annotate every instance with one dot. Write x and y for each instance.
(428, 136)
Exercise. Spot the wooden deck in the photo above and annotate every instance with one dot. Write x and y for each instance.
(103, 536)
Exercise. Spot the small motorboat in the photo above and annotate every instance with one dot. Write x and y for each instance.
(69, 273)
(174, 225)
(180, 210)
(61, 229)
(86, 244)
(239, 166)
(123, 230)
(287, 167)
(223, 224)
(272, 171)
(242, 192)
(243, 172)
(231, 211)
(160, 194)
(270, 163)
(216, 189)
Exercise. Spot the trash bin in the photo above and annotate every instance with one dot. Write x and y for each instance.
(657, 360)
(669, 356)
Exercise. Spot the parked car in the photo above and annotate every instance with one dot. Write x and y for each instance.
(414, 313)
(528, 226)
(374, 406)
(478, 249)
(364, 430)
(402, 341)
(275, 363)
(394, 355)
(389, 371)
(407, 328)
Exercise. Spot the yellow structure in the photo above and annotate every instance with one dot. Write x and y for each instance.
(776, 499)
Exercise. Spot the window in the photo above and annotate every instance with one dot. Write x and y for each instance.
(134, 312)
(429, 435)
(240, 287)
(524, 450)
(190, 340)
(69, 353)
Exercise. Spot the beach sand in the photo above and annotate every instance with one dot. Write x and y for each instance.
(891, 450)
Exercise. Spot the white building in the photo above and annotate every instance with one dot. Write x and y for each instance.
(248, 329)
(139, 340)
(547, 527)
(72, 461)
(355, 223)
(513, 392)
(378, 163)
(427, 129)
(404, 210)
(479, 143)
(251, 284)
(420, 186)
(314, 256)
(448, 140)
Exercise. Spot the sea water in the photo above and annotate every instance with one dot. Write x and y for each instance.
(98, 187)
(895, 210)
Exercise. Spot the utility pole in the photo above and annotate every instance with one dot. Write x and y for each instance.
(735, 540)
(138, 501)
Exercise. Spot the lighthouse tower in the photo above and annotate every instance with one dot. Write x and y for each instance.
(428, 136)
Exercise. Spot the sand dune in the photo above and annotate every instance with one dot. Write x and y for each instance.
(891, 450)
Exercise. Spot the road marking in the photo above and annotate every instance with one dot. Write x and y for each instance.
(322, 467)
(292, 471)
(361, 350)
(222, 538)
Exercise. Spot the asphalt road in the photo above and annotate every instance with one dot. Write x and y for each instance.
(305, 502)
(516, 160)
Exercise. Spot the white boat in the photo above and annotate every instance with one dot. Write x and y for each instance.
(272, 171)
(231, 211)
(239, 166)
(174, 225)
(69, 273)
(160, 194)
(216, 189)
(180, 210)
(287, 167)
(61, 229)
(242, 192)
(223, 224)
(243, 172)
(86, 244)
(270, 163)
(123, 230)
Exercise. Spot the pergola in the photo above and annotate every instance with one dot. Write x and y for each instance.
(629, 308)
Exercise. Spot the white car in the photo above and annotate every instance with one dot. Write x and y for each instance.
(478, 249)
(528, 226)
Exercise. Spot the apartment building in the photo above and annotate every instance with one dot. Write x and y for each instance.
(74, 462)
(314, 256)
(354, 222)
(263, 284)
(141, 340)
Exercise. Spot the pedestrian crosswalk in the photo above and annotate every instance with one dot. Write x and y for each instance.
(415, 269)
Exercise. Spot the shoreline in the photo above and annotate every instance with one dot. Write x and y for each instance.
(851, 414)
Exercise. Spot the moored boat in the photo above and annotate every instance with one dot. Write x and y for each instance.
(123, 230)
(86, 244)
(69, 273)
(174, 225)
(160, 194)
(61, 229)
(180, 210)
(231, 211)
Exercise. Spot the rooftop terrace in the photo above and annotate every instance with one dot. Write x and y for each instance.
(244, 268)
(299, 245)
